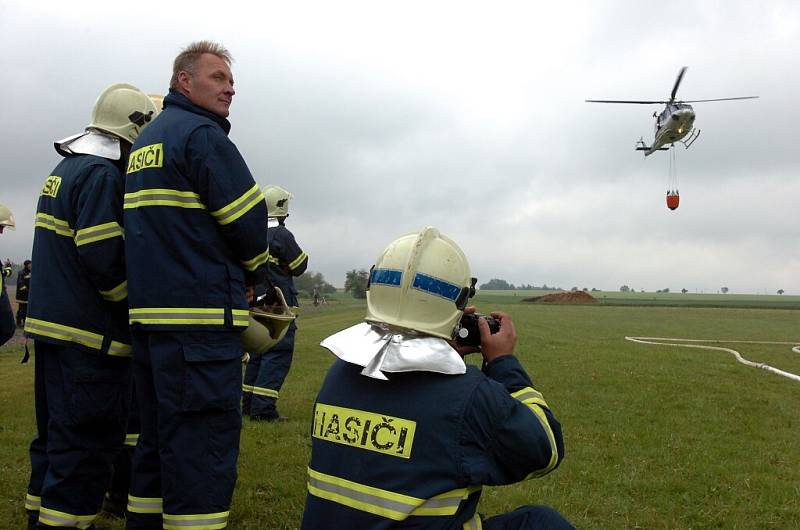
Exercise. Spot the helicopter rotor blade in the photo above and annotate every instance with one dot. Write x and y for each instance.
(717, 99)
(625, 101)
(677, 84)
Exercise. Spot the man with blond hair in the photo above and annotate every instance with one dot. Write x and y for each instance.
(195, 244)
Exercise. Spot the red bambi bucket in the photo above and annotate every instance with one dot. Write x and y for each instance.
(673, 199)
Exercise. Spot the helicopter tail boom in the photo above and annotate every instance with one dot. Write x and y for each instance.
(648, 150)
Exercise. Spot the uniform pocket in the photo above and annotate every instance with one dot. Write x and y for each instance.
(98, 392)
(212, 377)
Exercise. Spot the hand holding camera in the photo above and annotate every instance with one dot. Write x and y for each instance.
(468, 333)
(494, 335)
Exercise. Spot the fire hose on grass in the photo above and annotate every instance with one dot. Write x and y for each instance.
(689, 343)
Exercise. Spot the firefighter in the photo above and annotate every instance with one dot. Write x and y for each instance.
(7, 327)
(23, 289)
(78, 315)
(116, 498)
(414, 447)
(195, 247)
(265, 373)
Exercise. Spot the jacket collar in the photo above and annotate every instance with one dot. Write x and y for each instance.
(179, 100)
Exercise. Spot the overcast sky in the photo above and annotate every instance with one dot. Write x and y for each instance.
(384, 117)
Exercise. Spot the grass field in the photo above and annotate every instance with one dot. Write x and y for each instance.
(656, 437)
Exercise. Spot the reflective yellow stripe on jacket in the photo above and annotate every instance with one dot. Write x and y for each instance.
(59, 226)
(298, 261)
(162, 197)
(186, 315)
(76, 335)
(120, 292)
(534, 400)
(254, 263)
(395, 506)
(84, 235)
(237, 208)
(98, 233)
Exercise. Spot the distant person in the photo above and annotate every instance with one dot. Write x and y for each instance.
(195, 247)
(316, 297)
(78, 315)
(405, 434)
(265, 373)
(7, 326)
(23, 289)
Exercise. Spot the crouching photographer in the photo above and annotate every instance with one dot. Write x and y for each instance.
(405, 431)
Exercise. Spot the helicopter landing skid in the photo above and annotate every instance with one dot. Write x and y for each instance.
(641, 146)
(694, 134)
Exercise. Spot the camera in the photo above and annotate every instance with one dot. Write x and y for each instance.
(468, 333)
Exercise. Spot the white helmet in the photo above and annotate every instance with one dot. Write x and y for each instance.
(122, 110)
(7, 218)
(277, 201)
(158, 101)
(421, 282)
(266, 326)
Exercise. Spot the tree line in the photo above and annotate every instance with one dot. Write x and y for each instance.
(356, 281)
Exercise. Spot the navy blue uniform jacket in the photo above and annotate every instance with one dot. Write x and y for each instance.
(286, 260)
(194, 223)
(415, 451)
(78, 296)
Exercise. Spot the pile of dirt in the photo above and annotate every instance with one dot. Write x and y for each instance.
(571, 297)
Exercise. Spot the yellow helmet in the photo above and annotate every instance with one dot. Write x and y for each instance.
(277, 201)
(420, 282)
(122, 110)
(7, 218)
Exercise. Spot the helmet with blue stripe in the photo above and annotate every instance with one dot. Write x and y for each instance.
(421, 282)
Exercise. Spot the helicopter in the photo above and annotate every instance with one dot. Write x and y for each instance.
(675, 123)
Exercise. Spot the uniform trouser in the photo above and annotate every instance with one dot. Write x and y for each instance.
(81, 409)
(121, 477)
(528, 518)
(265, 374)
(188, 385)
(22, 313)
